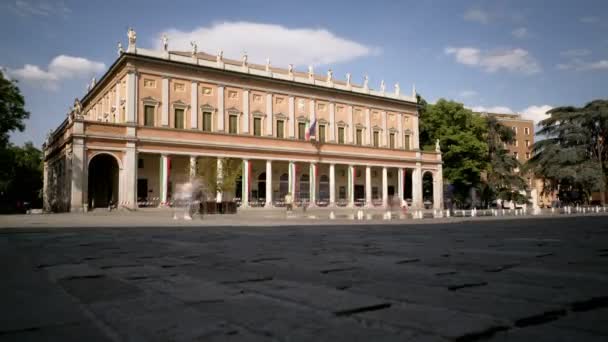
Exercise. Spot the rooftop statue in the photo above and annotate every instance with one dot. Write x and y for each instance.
(397, 89)
(245, 59)
(194, 48)
(348, 78)
(290, 69)
(437, 147)
(120, 49)
(366, 82)
(77, 106)
(382, 86)
(165, 42)
(311, 72)
(132, 36)
(220, 56)
(330, 75)
(267, 64)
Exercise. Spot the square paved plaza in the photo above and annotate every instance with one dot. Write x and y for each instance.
(507, 280)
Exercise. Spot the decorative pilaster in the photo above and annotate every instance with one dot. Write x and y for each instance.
(131, 104)
(368, 127)
(78, 174)
(351, 186)
(117, 117)
(415, 137)
(292, 119)
(268, 184)
(129, 177)
(368, 186)
(313, 183)
(384, 142)
(220, 108)
(269, 120)
(245, 128)
(164, 113)
(332, 122)
(332, 184)
(194, 105)
(384, 187)
(351, 126)
(400, 129)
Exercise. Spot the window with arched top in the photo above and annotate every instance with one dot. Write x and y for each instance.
(283, 185)
(324, 187)
(304, 187)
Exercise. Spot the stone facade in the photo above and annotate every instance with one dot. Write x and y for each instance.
(157, 114)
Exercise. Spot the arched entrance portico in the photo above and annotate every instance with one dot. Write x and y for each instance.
(103, 181)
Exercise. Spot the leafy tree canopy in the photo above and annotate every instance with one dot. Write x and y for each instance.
(12, 109)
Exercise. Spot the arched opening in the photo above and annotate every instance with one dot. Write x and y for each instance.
(324, 188)
(261, 194)
(103, 181)
(304, 187)
(427, 188)
(283, 186)
(408, 185)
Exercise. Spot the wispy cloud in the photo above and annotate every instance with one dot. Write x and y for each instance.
(581, 65)
(513, 60)
(589, 19)
(492, 109)
(520, 33)
(477, 15)
(283, 45)
(467, 93)
(575, 53)
(41, 8)
(60, 68)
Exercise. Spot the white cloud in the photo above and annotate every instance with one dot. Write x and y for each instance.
(39, 8)
(60, 68)
(520, 33)
(575, 53)
(589, 20)
(493, 109)
(298, 46)
(536, 113)
(513, 60)
(477, 15)
(580, 65)
(467, 93)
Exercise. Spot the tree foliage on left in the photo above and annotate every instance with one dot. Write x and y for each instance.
(20, 167)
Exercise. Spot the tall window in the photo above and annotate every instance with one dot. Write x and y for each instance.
(149, 115)
(376, 139)
(257, 127)
(527, 155)
(391, 140)
(301, 130)
(516, 155)
(322, 133)
(359, 137)
(280, 129)
(232, 124)
(406, 141)
(207, 121)
(340, 135)
(516, 143)
(514, 129)
(527, 130)
(527, 143)
(179, 118)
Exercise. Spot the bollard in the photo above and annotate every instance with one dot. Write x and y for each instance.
(447, 213)
(332, 216)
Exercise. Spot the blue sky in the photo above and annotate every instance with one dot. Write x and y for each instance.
(520, 56)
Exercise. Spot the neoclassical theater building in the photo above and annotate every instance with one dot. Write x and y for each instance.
(154, 115)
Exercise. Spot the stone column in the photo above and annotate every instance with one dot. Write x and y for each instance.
(400, 184)
(332, 184)
(400, 133)
(129, 181)
(245, 128)
(164, 104)
(268, 184)
(194, 105)
(192, 168)
(269, 117)
(131, 103)
(290, 178)
(245, 184)
(384, 142)
(332, 122)
(220, 108)
(79, 175)
(292, 118)
(417, 186)
(219, 196)
(368, 127)
(350, 139)
(384, 187)
(368, 186)
(164, 179)
(415, 138)
(313, 183)
(351, 185)
(438, 188)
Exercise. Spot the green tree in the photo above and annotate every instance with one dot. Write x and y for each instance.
(573, 157)
(24, 177)
(12, 109)
(211, 183)
(462, 135)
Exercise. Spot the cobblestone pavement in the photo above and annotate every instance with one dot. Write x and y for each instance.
(505, 280)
